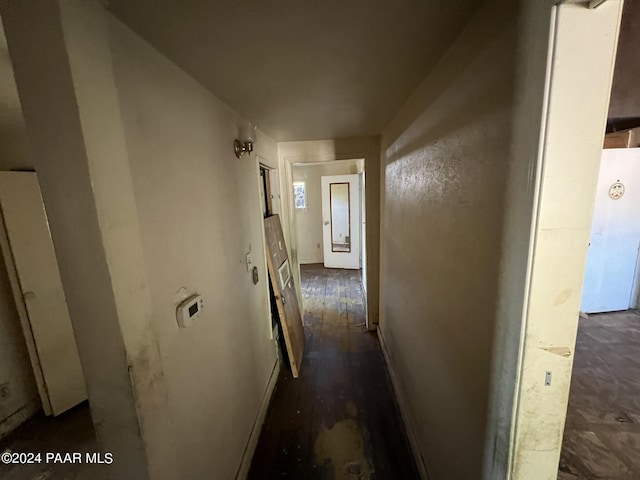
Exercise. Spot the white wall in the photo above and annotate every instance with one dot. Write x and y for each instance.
(308, 222)
(145, 197)
(444, 160)
(199, 215)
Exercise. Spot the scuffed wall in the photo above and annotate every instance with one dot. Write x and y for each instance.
(200, 215)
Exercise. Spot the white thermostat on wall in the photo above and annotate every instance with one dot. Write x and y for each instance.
(189, 310)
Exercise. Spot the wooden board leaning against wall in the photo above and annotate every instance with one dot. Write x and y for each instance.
(285, 292)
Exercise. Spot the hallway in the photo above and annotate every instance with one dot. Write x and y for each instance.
(339, 420)
(172, 129)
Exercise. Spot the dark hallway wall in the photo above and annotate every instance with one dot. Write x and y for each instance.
(625, 94)
(444, 163)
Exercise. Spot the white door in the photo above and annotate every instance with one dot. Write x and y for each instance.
(35, 278)
(615, 234)
(341, 221)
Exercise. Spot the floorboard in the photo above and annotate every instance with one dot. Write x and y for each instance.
(70, 432)
(602, 432)
(339, 419)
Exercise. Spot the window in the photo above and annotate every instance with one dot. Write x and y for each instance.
(299, 195)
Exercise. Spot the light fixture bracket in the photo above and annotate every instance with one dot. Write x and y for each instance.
(242, 147)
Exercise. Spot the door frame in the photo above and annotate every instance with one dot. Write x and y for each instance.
(622, 164)
(262, 164)
(288, 213)
(565, 71)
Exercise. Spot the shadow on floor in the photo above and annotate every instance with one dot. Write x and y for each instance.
(339, 419)
(68, 433)
(602, 432)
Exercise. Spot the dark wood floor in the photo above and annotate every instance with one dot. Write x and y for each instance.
(70, 432)
(602, 433)
(339, 419)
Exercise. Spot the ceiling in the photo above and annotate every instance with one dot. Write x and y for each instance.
(303, 69)
(306, 69)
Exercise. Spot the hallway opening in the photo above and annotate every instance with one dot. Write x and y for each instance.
(46, 428)
(602, 429)
(327, 221)
(339, 419)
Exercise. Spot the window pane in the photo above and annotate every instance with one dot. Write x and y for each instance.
(300, 195)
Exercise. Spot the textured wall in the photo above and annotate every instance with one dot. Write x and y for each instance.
(444, 162)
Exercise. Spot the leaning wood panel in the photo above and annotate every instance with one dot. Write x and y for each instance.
(285, 292)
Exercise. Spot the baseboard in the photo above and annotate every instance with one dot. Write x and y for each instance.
(407, 418)
(310, 261)
(252, 443)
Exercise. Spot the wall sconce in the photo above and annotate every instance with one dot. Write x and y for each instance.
(246, 141)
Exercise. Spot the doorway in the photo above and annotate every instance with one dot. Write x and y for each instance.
(269, 192)
(37, 289)
(603, 418)
(269, 197)
(602, 428)
(611, 277)
(61, 420)
(328, 227)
